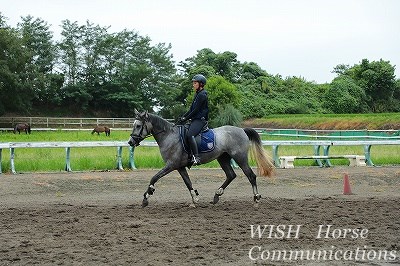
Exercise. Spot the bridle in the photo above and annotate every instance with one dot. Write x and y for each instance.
(139, 137)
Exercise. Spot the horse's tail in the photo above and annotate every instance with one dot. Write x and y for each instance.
(264, 162)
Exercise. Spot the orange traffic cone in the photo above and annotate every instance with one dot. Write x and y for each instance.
(346, 185)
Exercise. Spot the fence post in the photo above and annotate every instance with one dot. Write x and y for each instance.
(326, 153)
(131, 157)
(316, 153)
(67, 159)
(275, 155)
(12, 156)
(234, 164)
(119, 158)
(0, 159)
(367, 153)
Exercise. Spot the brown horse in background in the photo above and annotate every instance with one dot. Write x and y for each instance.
(99, 129)
(22, 127)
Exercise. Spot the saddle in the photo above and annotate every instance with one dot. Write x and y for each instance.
(205, 139)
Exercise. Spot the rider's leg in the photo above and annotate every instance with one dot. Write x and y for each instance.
(194, 129)
(195, 150)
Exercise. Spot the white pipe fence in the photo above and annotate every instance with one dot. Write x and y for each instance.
(316, 144)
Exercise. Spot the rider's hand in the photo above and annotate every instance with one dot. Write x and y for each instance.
(181, 120)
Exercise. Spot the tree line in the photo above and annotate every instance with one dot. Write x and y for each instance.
(93, 72)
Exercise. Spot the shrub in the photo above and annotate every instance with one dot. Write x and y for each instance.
(227, 115)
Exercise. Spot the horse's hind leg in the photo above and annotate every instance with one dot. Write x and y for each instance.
(251, 176)
(225, 162)
(193, 192)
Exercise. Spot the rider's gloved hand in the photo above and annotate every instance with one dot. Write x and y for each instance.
(181, 120)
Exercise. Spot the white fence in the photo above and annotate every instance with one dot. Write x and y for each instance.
(68, 123)
(65, 122)
(316, 144)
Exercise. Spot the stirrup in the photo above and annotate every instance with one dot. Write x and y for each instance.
(196, 160)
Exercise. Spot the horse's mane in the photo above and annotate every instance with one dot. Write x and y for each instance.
(159, 122)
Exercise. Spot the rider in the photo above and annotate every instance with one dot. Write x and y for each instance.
(198, 113)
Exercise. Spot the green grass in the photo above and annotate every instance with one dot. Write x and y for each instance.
(105, 158)
(329, 121)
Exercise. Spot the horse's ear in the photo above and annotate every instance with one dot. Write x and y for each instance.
(136, 113)
(146, 115)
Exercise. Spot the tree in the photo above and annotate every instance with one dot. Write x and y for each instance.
(395, 104)
(344, 96)
(221, 93)
(119, 71)
(224, 64)
(39, 73)
(70, 51)
(377, 78)
(14, 58)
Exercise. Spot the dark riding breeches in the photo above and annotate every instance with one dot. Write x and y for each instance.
(195, 127)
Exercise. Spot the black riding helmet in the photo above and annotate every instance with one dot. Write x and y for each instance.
(200, 79)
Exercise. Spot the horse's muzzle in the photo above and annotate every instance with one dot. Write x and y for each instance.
(134, 142)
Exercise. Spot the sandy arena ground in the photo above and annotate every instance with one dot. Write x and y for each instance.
(95, 218)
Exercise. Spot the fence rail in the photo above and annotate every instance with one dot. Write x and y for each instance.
(65, 122)
(68, 123)
(317, 144)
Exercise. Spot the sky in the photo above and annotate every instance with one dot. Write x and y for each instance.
(303, 38)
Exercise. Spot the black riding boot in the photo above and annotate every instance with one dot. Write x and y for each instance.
(195, 151)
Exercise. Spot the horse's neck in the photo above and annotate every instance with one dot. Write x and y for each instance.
(161, 128)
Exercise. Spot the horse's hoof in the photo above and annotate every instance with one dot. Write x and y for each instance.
(145, 202)
(216, 199)
(194, 195)
(257, 198)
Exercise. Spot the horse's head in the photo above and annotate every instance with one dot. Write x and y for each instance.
(142, 128)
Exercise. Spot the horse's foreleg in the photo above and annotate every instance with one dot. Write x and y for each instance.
(225, 162)
(150, 190)
(185, 176)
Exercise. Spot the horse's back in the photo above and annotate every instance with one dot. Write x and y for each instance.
(99, 129)
(226, 136)
(22, 126)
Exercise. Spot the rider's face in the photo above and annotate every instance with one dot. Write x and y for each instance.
(196, 85)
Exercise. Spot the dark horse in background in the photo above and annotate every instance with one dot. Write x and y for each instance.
(99, 129)
(22, 127)
(230, 143)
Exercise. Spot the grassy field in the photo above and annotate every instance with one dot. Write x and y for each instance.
(382, 121)
(104, 158)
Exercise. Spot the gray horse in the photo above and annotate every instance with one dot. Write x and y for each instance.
(231, 143)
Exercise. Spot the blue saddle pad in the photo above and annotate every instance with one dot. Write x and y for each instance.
(207, 140)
